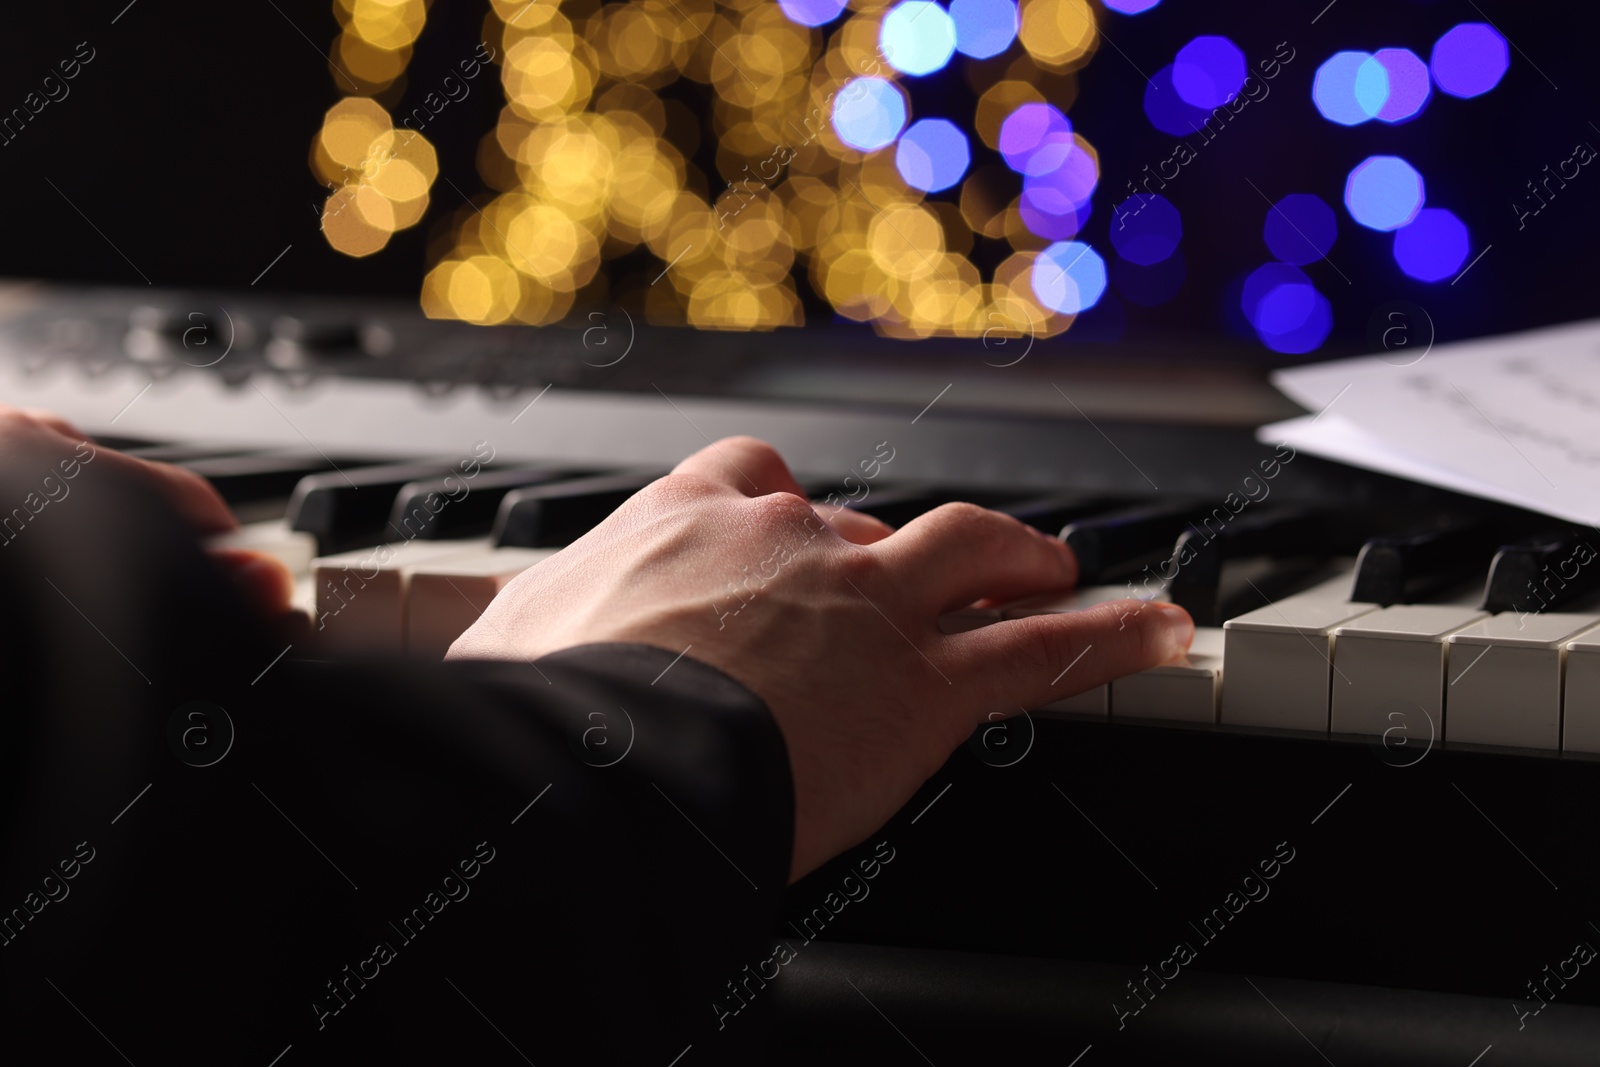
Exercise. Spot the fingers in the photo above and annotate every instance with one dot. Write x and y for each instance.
(55, 422)
(265, 581)
(854, 526)
(746, 464)
(194, 498)
(959, 553)
(1027, 663)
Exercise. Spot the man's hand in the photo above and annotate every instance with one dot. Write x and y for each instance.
(265, 582)
(835, 627)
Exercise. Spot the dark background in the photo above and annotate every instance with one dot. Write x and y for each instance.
(185, 142)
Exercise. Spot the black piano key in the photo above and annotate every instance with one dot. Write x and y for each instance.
(898, 505)
(1543, 573)
(554, 515)
(1118, 543)
(349, 508)
(184, 453)
(1294, 545)
(254, 477)
(1410, 567)
(1050, 513)
(458, 506)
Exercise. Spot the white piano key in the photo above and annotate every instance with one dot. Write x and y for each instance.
(1580, 705)
(445, 597)
(1505, 679)
(1183, 691)
(292, 548)
(1280, 661)
(361, 594)
(1393, 661)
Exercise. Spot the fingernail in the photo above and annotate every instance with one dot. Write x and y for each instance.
(1178, 624)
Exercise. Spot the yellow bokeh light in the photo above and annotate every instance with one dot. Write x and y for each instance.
(1057, 33)
(997, 104)
(390, 24)
(346, 227)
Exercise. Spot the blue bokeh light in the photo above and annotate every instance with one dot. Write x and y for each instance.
(984, 28)
(1371, 87)
(1208, 72)
(1287, 312)
(1433, 247)
(1131, 7)
(917, 37)
(1165, 108)
(868, 113)
(933, 155)
(1409, 85)
(1035, 139)
(1384, 193)
(1300, 229)
(1470, 59)
(812, 12)
(1050, 226)
(1146, 229)
(1068, 277)
(1334, 89)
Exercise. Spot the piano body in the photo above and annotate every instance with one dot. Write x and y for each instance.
(1388, 706)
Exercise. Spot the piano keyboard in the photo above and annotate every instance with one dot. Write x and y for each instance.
(403, 575)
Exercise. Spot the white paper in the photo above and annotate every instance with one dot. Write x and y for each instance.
(1514, 419)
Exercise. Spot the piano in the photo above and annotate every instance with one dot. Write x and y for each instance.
(1397, 685)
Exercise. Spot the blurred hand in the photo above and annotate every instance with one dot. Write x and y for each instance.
(265, 581)
(834, 626)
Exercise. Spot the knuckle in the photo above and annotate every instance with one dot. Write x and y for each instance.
(754, 448)
(782, 510)
(962, 514)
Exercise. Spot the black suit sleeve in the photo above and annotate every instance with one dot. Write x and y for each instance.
(215, 856)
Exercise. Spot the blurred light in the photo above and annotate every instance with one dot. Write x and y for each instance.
(1409, 86)
(1371, 86)
(1152, 285)
(918, 37)
(812, 12)
(1131, 7)
(1334, 90)
(1470, 59)
(1166, 110)
(1288, 313)
(1433, 247)
(984, 28)
(1057, 33)
(1208, 72)
(1050, 225)
(1069, 277)
(1384, 193)
(996, 105)
(1300, 229)
(1066, 189)
(1146, 229)
(1035, 139)
(933, 155)
(868, 113)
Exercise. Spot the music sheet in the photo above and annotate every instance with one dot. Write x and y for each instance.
(1513, 418)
